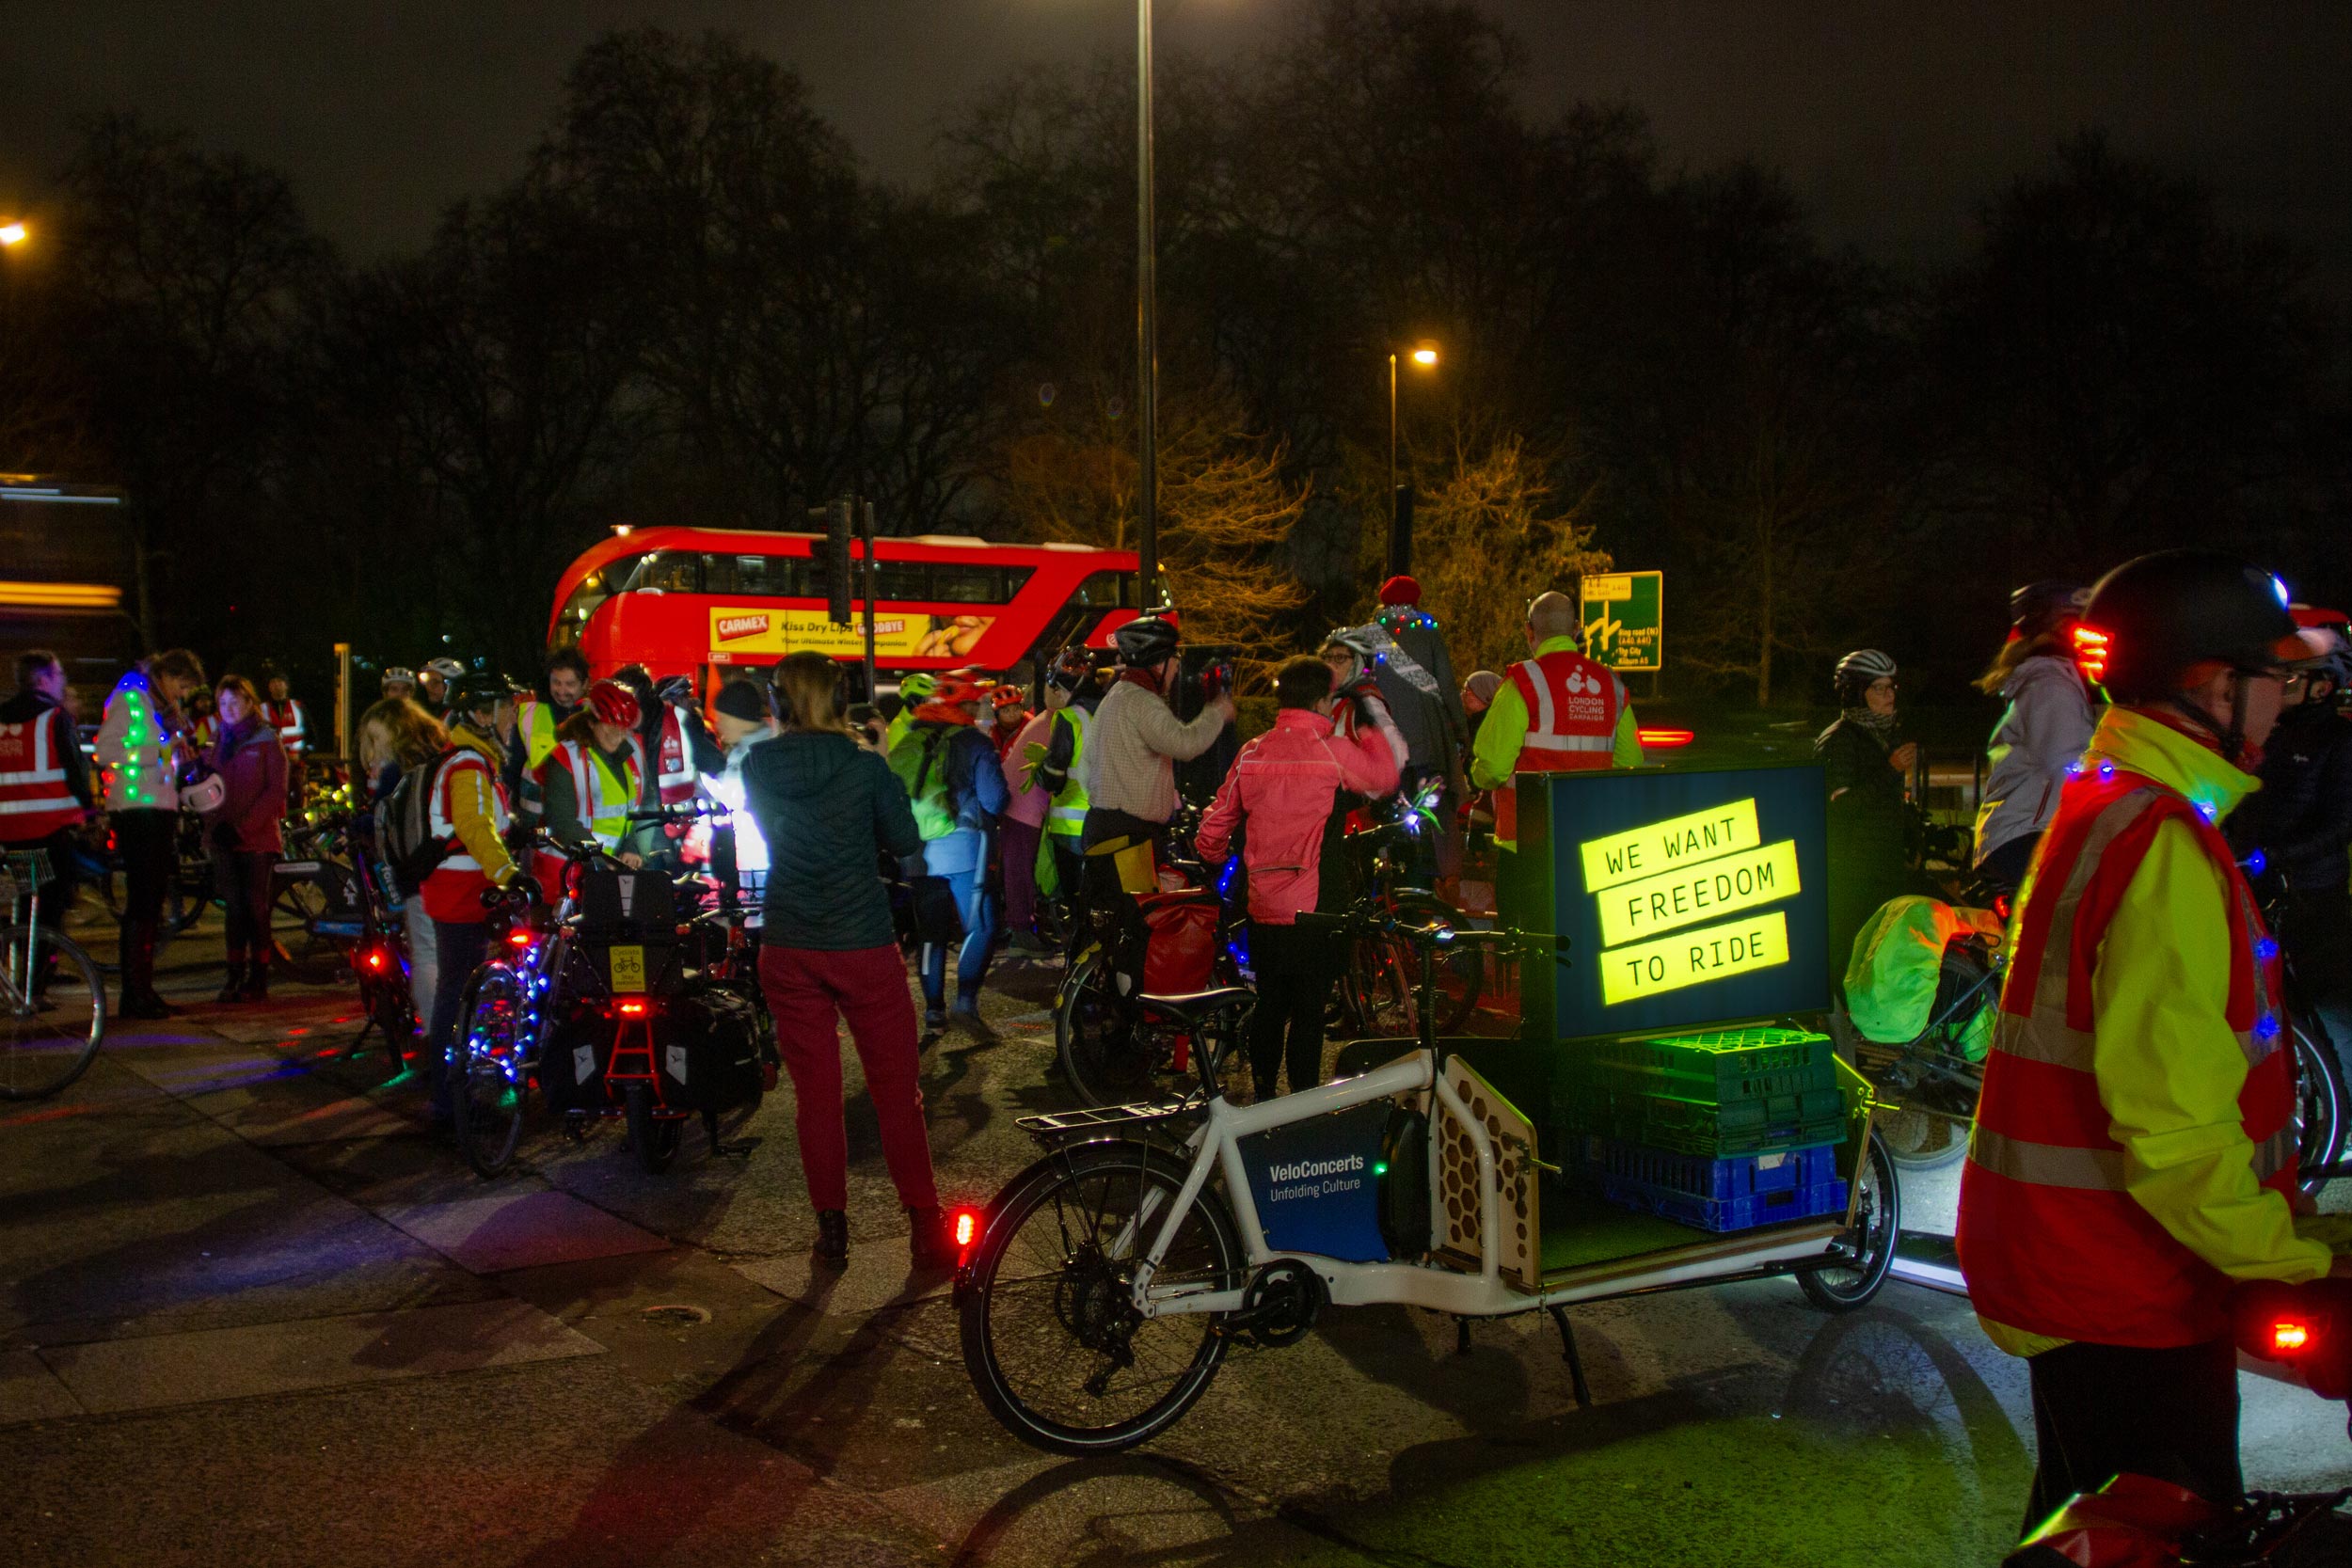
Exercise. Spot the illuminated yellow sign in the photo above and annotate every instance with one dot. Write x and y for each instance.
(628, 969)
(1691, 894)
(1663, 847)
(1710, 953)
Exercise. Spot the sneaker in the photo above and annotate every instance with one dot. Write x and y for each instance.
(934, 1021)
(831, 1250)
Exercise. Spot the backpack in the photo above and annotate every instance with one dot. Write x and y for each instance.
(917, 763)
(404, 825)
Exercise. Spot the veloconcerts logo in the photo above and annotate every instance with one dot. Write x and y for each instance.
(1298, 1170)
(732, 629)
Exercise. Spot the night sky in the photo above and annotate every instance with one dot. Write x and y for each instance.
(1890, 119)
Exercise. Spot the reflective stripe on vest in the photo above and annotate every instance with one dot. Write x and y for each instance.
(34, 799)
(534, 721)
(1567, 730)
(2051, 1240)
(1068, 813)
(289, 721)
(442, 821)
(603, 798)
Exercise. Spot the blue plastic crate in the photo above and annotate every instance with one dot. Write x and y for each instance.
(1719, 1195)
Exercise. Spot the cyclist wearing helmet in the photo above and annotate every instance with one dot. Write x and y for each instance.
(914, 689)
(400, 681)
(596, 775)
(1869, 822)
(2303, 824)
(952, 777)
(1021, 746)
(2135, 1148)
(432, 680)
(1135, 741)
(537, 719)
(468, 815)
(2042, 733)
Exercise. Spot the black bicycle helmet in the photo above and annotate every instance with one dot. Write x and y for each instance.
(479, 688)
(2039, 606)
(1857, 670)
(1145, 641)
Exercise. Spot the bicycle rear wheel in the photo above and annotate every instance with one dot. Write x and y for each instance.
(1110, 1054)
(1382, 983)
(2319, 1106)
(490, 1089)
(1050, 1338)
(53, 1014)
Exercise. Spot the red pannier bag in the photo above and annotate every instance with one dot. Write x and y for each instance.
(1182, 954)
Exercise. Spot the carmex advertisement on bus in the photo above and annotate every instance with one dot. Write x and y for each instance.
(762, 634)
(1688, 899)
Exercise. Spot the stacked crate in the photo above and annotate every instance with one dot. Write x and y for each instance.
(1723, 1130)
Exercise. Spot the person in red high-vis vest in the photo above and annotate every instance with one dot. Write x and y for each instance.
(2134, 1154)
(46, 792)
(1556, 712)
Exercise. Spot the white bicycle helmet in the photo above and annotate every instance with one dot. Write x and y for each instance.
(1857, 670)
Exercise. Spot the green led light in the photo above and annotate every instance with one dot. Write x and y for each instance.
(1381, 1168)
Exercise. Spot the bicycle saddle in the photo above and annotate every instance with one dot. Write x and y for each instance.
(1193, 1008)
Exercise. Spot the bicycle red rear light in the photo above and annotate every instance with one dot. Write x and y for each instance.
(2091, 651)
(633, 1008)
(518, 937)
(2288, 1336)
(967, 1228)
(375, 958)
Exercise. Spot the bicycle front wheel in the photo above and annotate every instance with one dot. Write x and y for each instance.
(1050, 1337)
(1382, 982)
(488, 1095)
(2319, 1106)
(53, 1014)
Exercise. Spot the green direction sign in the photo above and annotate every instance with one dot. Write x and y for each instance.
(1625, 620)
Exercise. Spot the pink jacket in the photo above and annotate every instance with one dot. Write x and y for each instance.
(1030, 802)
(1283, 782)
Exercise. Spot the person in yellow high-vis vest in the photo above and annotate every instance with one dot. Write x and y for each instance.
(537, 719)
(596, 775)
(1071, 695)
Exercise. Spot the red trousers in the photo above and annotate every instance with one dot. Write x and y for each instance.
(868, 987)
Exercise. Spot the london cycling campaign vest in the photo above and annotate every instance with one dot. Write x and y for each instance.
(1573, 705)
(34, 799)
(2050, 1239)
(288, 720)
(1067, 816)
(676, 781)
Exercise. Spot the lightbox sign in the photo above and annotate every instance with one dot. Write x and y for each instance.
(1688, 898)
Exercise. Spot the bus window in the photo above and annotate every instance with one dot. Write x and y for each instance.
(903, 579)
(668, 572)
(955, 582)
(593, 590)
(775, 576)
(1105, 591)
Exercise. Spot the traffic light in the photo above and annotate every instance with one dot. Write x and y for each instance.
(837, 563)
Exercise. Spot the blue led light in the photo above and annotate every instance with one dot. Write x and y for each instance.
(2073, 769)
(2267, 1027)
(2266, 949)
(2107, 771)
(2257, 863)
(2208, 810)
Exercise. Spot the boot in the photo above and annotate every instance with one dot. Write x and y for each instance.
(831, 1250)
(930, 1248)
(232, 989)
(256, 980)
(139, 999)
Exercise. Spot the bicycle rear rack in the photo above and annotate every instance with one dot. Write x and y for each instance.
(1053, 1129)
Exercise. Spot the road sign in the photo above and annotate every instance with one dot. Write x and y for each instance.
(1625, 618)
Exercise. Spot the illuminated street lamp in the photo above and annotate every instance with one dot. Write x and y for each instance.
(14, 232)
(1425, 353)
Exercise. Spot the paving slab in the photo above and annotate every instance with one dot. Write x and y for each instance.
(876, 1277)
(293, 1108)
(520, 1228)
(164, 1369)
(29, 1391)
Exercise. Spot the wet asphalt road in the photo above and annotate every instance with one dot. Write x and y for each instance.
(252, 1315)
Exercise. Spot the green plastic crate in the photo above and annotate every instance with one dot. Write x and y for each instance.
(1728, 1067)
(1712, 1132)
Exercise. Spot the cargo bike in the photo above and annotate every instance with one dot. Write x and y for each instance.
(1105, 1284)
(630, 1000)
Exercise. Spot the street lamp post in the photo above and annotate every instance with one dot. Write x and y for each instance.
(1400, 509)
(1147, 330)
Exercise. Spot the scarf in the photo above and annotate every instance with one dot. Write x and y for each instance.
(1144, 678)
(1878, 727)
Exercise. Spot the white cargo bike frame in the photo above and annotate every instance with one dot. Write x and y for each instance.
(1215, 1144)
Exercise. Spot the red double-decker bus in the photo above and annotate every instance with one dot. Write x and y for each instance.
(683, 600)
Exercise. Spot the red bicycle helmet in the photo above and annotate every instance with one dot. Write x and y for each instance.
(954, 688)
(613, 704)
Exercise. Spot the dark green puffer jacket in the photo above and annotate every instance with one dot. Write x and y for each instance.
(829, 810)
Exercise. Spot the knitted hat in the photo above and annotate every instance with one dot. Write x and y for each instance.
(1400, 590)
(1479, 690)
(741, 698)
